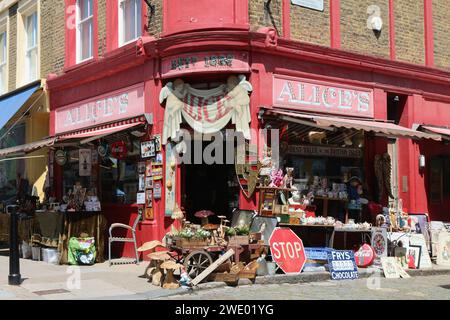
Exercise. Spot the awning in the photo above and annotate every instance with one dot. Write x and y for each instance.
(103, 130)
(12, 103)
(27, 147)
(444, 132)
(384, 128)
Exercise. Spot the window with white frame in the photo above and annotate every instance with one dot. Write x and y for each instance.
(85, 33)
(3, 62)
(129, 20)
(31, 49)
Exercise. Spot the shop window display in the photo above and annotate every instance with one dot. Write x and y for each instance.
(120, 177)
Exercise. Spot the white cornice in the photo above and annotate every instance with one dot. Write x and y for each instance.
(5, 4)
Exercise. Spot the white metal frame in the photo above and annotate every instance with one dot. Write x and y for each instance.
(79, 23)
(121, 24)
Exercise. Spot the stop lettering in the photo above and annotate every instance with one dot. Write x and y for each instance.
(287, 250)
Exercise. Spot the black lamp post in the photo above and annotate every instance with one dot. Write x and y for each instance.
(14, 277)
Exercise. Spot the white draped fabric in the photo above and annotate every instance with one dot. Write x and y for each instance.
(206, 111)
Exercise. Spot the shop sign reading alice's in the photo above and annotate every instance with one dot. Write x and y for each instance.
(322, 97)
(114, 106)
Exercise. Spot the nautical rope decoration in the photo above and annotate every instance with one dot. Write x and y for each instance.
(206, 111)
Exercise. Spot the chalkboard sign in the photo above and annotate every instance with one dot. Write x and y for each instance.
(342, 265)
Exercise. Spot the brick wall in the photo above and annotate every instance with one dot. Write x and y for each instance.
(155, 20)
(12, 47)
(311, 26)
(409, 31)
(52, 36)
(355, 34)
(101, 7)
(258, 19)
(441, 23)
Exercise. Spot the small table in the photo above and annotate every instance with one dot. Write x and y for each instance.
(365, 234)
(326, 228)
(325, 204)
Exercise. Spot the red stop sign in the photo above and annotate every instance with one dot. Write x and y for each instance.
(287, 250)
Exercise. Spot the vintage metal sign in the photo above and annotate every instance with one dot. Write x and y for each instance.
(114, 106)
(324, 151)
(342, 265)
(247, 174)
(205, 62)
(322, 97)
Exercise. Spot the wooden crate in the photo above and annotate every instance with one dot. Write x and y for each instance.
(190, 243)
(238, 240)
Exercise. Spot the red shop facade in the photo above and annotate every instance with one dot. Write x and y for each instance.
(401, 107)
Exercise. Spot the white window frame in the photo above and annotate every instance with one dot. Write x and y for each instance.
(78, 37)
(4, 64)
(29, 50)
(121, 24)
(26, 9)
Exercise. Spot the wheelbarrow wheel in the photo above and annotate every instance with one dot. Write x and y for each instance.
(196, 262)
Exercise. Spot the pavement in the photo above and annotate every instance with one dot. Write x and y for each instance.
(43, 281)
(436, 287)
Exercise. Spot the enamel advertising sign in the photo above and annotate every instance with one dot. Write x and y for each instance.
(322, 97)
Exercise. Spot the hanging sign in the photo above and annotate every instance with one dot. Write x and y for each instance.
(324, 151)
(119, 150)
(206, 111)
(114, 106)
(61, 157)
(102, 150)
(85, 162)
(171, 166)
(342, 265)
(322, 97)
(205, 62)
(157, 190)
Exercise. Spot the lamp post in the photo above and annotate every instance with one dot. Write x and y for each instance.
(14, 277)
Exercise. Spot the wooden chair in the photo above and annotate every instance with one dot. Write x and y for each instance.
(122, 239)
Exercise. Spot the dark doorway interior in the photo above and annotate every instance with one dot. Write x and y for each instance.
(209, 187)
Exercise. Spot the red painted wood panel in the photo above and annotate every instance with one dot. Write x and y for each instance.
(181, 15)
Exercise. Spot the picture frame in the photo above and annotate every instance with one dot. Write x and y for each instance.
(390, 269)
(413, 255)
(157, 139)
(149, 183)
(148, 149)
(148, 169)
(242, 217)
(265, 225)
(149, 198)
(141, 167)
(142, 182)
(443, 249)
